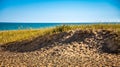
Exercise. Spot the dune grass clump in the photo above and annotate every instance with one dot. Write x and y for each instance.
(19, 35)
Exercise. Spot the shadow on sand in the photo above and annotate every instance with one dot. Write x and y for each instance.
(52, 40)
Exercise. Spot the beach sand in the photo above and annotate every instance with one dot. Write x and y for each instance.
(80, 48)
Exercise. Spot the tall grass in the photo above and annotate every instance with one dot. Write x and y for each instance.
(19, 35)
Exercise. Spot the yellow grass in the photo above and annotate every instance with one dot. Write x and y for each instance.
(19, 35)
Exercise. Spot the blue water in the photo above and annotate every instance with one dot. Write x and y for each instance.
(16, 26)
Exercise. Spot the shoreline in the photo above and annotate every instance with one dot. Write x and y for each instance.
(59, 24)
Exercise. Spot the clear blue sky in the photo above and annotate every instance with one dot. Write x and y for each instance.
(59, 10)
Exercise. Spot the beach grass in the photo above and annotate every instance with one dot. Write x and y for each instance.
(19, 35)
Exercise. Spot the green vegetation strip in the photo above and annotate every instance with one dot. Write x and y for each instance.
(19, 35)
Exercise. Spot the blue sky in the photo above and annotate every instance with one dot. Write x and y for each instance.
(59, 10)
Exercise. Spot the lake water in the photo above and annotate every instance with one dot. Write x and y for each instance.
(16, 26)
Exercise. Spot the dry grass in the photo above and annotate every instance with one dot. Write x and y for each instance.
(19, 35)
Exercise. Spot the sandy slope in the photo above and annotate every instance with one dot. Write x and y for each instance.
(73, 48)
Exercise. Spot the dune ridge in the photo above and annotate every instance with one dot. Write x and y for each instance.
(93, 48)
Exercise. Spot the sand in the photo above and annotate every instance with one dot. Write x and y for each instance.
(80, 48)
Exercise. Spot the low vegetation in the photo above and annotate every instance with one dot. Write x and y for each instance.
(19, 35)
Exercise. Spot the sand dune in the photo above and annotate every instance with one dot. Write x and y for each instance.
(92, 48)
